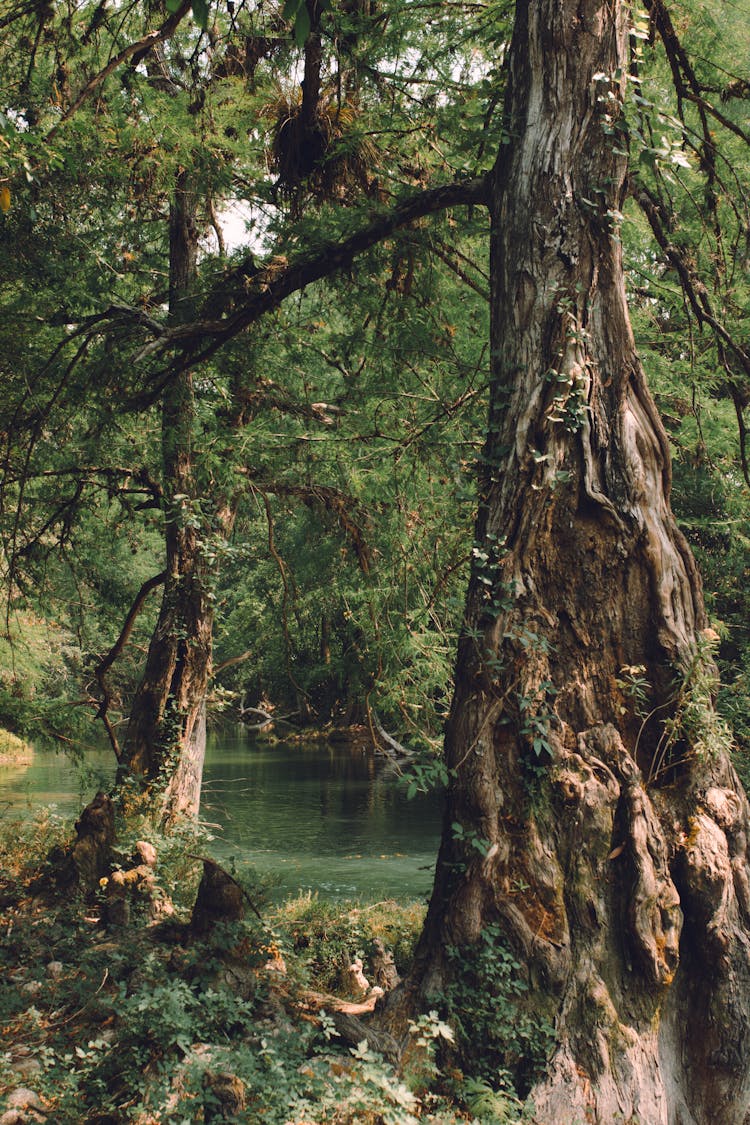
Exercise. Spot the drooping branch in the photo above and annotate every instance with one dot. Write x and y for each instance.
(449, 257)
(739, 409)
(685, 80)
(718, 116)
(285, 581)
(342, 507)
(693, 287)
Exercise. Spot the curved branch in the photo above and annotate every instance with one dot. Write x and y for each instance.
(722, 118)
(267, 287)
(232, 661)
(106, 663)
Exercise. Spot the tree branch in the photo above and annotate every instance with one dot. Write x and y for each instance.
(140, 48)
(267, 287)
(107, 661)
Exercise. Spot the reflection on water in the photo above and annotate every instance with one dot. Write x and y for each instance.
(54, 779)
(318, 817)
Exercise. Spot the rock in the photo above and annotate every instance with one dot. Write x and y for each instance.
(145, 853)
(22, 1098)
(27, 1068)
(23, 1106)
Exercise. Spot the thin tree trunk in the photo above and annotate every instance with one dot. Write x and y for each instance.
(166, 736)
(593, 812)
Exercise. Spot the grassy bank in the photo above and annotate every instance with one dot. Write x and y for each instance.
(14, 751)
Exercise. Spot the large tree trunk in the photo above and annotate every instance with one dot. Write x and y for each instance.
(593, 812)
(166, 736)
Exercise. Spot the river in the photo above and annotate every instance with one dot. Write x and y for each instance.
(310, 816)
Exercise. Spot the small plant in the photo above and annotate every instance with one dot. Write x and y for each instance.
(693, 724)
(470, 837)
(420, 1061)
(635, 685)
(485, 1003)
(496, 1107)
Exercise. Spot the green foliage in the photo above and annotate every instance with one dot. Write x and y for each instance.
(40, 666)
(24, 845)
(692, 726)
(324, 937)
(487, 1001)
(135, 1023)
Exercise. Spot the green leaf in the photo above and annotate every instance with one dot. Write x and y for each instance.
(289, 11)
(200, 13)
(173, 5)
(302, 25)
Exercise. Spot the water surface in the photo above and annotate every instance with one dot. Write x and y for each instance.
(321, 818)
(310, 816)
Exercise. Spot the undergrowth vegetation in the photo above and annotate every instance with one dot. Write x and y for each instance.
(149, 1022)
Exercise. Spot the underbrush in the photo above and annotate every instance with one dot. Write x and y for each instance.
(323, 938)
(149, 1023)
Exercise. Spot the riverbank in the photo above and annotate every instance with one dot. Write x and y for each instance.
(14, 751)
(167, 1013)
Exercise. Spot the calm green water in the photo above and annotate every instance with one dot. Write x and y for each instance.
(311, 817)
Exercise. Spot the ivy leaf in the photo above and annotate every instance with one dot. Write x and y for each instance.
(295, 11)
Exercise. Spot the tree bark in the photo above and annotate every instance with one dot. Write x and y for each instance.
(592, 812)
(166, 735)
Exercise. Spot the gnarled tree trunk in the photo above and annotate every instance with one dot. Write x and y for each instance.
(593, 812)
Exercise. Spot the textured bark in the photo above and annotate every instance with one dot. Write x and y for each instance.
(614, 846)
(220, 899)
(166, 736)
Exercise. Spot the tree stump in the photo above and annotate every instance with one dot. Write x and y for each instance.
(220, 898)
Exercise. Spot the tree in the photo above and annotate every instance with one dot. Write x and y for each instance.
(167, 126)
(595, 830)
(594, 823)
